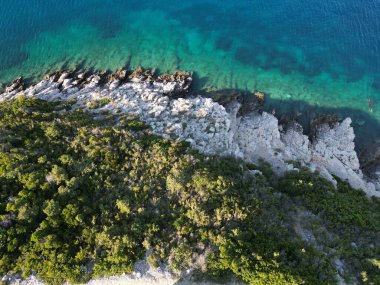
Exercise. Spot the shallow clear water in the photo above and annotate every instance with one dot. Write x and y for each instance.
(309, 56)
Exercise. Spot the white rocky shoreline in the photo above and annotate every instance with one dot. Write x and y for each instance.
(143, 274)
(208, 126)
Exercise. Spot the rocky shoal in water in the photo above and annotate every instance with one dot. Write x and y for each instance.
(211, 128)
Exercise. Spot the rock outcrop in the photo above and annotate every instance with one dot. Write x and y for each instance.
(208, 126)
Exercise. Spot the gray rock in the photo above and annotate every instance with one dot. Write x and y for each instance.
(217, 130)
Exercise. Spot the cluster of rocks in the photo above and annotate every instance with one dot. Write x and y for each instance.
(209, 126)
(17, 85)
(173, 84)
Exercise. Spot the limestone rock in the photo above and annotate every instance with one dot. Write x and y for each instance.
(210, 127)
(334, 150)
(259, 138)
(297, 145)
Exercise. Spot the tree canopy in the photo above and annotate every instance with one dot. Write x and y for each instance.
(84, 195)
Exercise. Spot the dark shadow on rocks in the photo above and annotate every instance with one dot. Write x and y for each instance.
(223, 96)
(249, 102)
(199, 83)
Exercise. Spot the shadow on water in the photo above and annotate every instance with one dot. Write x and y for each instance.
(199, 83)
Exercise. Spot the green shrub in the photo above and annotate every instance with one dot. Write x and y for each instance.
(95, 104)
(82, 198)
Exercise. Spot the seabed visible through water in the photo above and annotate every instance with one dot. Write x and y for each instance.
(308, 59)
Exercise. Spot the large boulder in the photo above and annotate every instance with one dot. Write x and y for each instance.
(334, 150)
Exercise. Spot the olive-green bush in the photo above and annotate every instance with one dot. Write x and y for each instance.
(82, 198)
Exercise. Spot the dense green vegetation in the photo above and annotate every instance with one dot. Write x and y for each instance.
(83, 197)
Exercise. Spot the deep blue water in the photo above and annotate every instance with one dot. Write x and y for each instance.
(325, 54)
(339, 37)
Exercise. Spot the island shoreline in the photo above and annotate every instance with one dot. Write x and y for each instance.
(169, 96)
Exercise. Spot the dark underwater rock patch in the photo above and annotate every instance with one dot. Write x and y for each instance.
(108, 27)
(224, 43)
(247, 56)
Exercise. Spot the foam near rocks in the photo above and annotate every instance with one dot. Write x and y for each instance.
(208, 126)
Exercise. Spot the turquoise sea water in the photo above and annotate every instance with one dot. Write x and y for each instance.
(309, 56)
